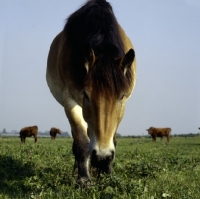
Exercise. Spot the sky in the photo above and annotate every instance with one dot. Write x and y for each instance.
(166, 38)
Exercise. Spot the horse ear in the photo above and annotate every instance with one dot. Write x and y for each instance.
(89, 58)
(127, 60)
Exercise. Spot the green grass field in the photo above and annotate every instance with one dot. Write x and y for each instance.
(142, 169)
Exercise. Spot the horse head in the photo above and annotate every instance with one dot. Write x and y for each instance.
(104, 99)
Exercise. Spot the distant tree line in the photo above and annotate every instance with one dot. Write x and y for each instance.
(187, 135)
(64, 134)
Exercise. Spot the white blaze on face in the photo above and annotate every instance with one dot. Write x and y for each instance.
(103, 149)
(103, 115)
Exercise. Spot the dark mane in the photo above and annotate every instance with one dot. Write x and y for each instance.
(94, 24)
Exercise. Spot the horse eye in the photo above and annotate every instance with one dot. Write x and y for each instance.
(85, 94)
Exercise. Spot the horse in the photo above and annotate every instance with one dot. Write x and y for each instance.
(91, 72)
(53, 132)
(28, 132)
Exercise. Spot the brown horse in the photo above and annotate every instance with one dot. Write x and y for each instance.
(159, 132)
(28, 132)
(53, 132)
(91, 72)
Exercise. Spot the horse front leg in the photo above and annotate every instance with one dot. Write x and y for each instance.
(80, 144)
(75, 166)
(81, 152)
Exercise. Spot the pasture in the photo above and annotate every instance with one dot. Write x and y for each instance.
(142, 169)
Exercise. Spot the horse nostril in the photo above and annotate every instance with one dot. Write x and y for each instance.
(95, 157)
(101, 159)
(110, 157)
(94, 152)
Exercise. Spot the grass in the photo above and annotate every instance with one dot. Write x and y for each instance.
(142, 169)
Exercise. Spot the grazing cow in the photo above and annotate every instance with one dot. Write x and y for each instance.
(159, 132)
(91, 72)
(53, 132)
(28, 132)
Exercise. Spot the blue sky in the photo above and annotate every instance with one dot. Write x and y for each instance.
(166, 38)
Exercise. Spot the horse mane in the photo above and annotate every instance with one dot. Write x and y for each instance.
(94, 24)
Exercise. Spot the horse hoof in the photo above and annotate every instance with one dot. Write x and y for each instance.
(83, 183)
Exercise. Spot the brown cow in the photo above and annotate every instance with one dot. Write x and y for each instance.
(159, 132)
(53, 132)
(28, 132)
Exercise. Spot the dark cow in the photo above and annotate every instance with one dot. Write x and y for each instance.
(159, 132)
(53, 132)
(28, 132)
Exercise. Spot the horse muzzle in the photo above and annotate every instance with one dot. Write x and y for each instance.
(102, 161)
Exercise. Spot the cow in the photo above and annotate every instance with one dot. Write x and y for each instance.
(28, 132)
(159, 132)
(53, 132)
